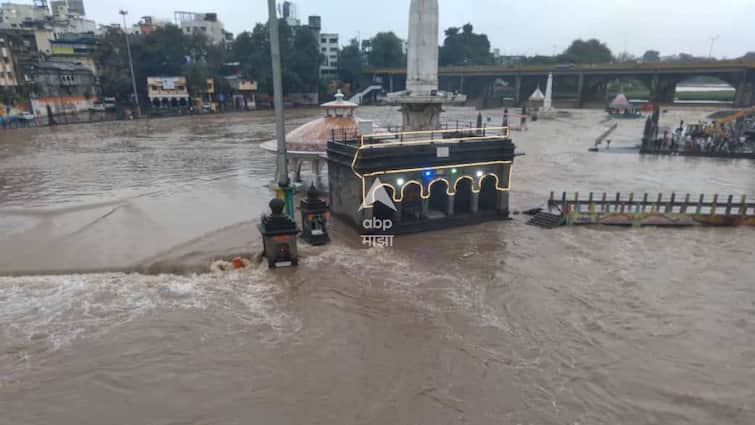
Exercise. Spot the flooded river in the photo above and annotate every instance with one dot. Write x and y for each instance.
(500, 323)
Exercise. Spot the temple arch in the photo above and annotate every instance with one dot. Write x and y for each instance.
(438, 203)
(463, 198)
(489, 193)
(411, 201)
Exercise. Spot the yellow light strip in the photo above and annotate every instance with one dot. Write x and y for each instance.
(430, 187)
(424, 195)
(407, 184)
(456, 184)
(441, 167)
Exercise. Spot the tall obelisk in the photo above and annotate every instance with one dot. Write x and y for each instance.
(421, 106)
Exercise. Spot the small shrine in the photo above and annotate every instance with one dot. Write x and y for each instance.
(621, 107)
(308, 142)
(536, 100)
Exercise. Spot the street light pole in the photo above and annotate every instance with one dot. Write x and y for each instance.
(712, 41)
(285, 192)
(131, 64)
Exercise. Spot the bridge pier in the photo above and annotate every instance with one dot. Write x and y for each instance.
(662, 90)
(745, 94)
(518, 90)
(580, 88)
(593, 90)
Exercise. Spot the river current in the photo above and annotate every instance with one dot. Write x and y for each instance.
(107, 316)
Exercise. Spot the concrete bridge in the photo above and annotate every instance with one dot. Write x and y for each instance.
(588, 82)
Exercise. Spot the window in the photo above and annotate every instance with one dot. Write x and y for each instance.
(324, 49)
(334, 49)
(333, 41)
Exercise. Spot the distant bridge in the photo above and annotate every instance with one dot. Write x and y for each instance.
(590, 81)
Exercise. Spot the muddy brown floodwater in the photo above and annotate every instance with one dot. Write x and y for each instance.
(500, 323)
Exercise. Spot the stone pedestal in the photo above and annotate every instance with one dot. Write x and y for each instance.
(421, 113)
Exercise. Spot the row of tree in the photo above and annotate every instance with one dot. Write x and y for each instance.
(167, 51)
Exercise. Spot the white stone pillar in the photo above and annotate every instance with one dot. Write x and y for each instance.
(422, 57)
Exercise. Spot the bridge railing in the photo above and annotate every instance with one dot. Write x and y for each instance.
(659, 66)
(603, 204)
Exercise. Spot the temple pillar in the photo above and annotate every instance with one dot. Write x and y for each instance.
(399, 211)
(450, 208)
(297, 170)
(475, 201)
(316, 172)
(425, 208)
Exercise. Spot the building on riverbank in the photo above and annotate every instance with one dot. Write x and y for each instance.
(63, 88)
(207, 24)
(7, 67)
(166, 92)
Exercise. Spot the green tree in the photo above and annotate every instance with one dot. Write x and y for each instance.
(587, 52)
(111, 58)
(749, 56)
(626, 57)
(300, 58)
(302, 68)
(351, 63)
(541, 60)
(465, 47)
(387, 51)
(651, 56)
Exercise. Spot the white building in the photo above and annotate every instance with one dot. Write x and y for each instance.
(202, 23)
(329, 50)
(288, 12)
(15, 15)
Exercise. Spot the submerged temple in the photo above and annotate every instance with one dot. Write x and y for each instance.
(429, 176)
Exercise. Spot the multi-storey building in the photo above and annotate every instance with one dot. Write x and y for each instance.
(167, 91)
(202, 23)
(63, 88)
(329, 51)
(7, 68)
(17, 16)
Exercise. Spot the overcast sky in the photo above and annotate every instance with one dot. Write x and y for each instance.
(515, 27)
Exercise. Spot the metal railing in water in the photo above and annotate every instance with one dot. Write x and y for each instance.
(603, 204)
(446, 134)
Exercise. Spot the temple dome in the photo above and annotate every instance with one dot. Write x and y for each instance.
(312, 137)
(620, 103)
(537, 95)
